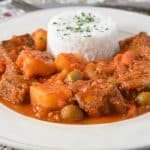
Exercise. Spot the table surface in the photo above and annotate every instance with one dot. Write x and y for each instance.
(18, 8)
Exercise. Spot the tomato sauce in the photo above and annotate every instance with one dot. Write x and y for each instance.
(26, 109)
(103, 87)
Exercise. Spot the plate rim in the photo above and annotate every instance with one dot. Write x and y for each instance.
(65, 7)
(39, 11)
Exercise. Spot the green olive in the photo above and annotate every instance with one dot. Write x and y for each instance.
(74, 76)
(72, 112)
(143, 98)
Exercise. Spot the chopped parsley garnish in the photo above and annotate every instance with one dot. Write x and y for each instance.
(83, 14)
(66, 34)
(88, 29)
(54, 22)
(82, 23)
(78, 29)
(87, 35)
(42, 39)
(68, 28)
(84, 18)
(89, 18)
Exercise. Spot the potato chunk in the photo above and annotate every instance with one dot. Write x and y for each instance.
(69, 61)
(50, 95)
(36, 63)
(40, 39)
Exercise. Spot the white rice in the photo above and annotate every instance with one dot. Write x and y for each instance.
(100, 43)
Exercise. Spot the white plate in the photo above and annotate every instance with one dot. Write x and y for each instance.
(23, 132)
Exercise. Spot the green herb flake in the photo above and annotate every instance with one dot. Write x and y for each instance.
(78, 29)
(77, 17)
(68, 28)
(65, 34)
(54, 22)
(88, 29)
(79, 20)
(83, 14)
(87, 35)
(89, 19)
(42, 39)
(80, 23)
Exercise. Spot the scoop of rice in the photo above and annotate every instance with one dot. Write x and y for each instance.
(89, 33)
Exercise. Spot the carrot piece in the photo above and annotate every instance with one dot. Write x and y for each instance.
(40, 39)
(128, 57)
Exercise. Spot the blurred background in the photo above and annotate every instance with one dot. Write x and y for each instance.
(13, 8)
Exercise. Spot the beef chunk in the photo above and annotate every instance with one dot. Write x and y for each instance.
(139, 43)
(13, 88)
(99, 70)
(15, 45)
(99, 98)
(132, 68)
(137, 78)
